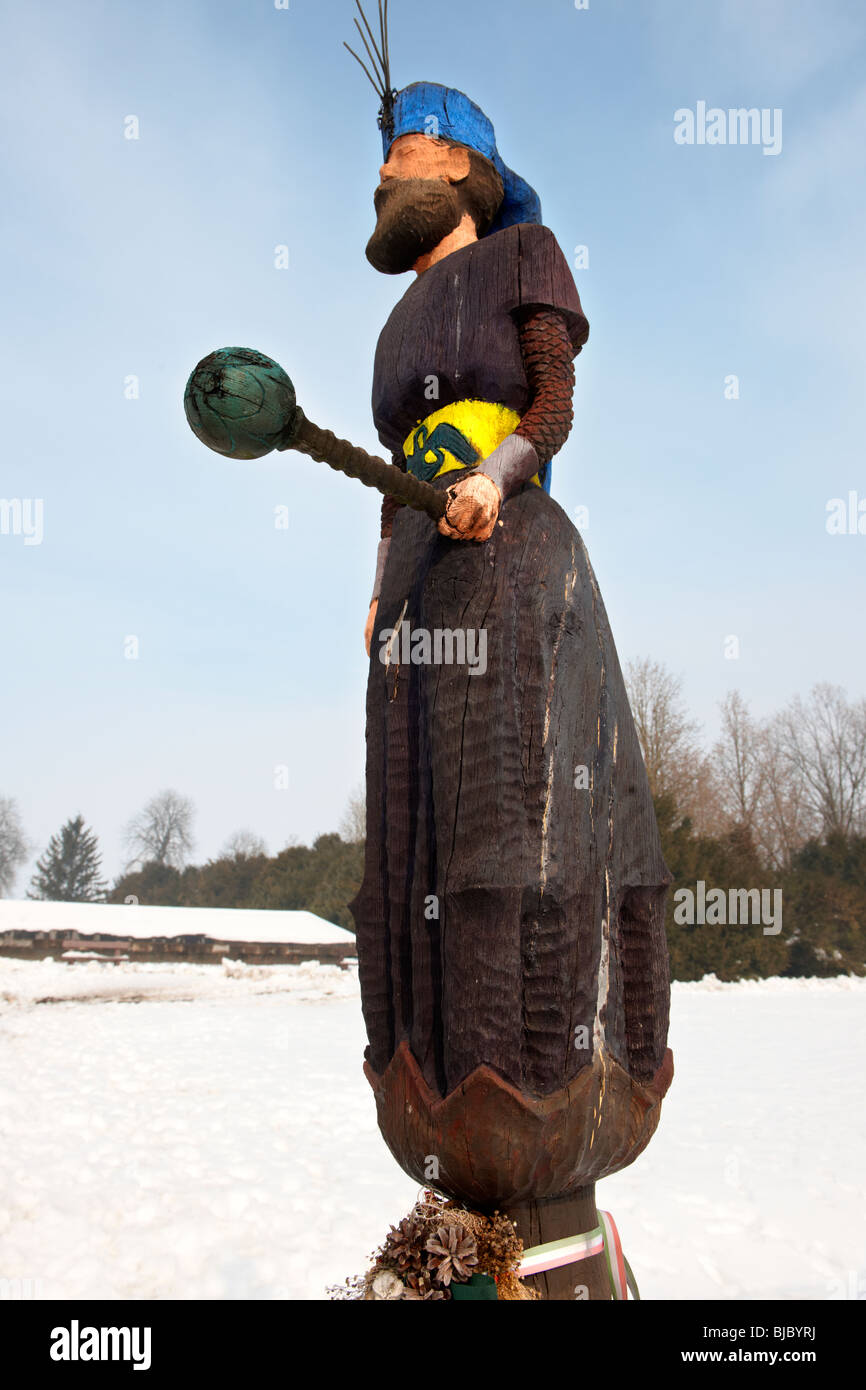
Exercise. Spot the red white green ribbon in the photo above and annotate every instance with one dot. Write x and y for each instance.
(561, 1252)
(604, 1238)
(614, 1257)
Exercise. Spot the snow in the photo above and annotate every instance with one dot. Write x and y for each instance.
(216, 1138)
(135, 920)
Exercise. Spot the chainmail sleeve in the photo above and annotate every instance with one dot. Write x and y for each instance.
(547, 355)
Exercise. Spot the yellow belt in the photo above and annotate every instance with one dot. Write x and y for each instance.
(458, 436)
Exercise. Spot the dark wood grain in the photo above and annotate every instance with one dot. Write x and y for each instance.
(541, 885)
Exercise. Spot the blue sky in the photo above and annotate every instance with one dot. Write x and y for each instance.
(256, 129)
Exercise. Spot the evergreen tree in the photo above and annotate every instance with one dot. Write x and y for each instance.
(732, 951)
(68, 871)
(322, 879)
(825, 896)
(157, 885)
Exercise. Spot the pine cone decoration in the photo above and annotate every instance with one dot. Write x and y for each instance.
(419, 1289)
(454, 1252)
(404, 1245)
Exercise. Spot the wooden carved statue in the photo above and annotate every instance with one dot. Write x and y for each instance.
(510, 924)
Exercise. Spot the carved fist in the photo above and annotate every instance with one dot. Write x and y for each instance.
(473, 509)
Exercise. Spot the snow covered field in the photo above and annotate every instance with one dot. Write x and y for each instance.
(207, 1132)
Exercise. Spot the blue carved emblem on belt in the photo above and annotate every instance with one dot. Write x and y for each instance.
(443, 437)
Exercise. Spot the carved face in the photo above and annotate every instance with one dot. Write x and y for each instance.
(418, 202)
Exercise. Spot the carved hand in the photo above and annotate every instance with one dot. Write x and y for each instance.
(473, 509)
(371, 622)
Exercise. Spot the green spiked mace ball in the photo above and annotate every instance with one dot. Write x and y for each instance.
(242, 404)
(239, 402)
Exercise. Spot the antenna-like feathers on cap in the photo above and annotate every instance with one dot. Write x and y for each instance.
(380, 59)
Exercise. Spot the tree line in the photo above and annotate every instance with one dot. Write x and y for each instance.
(774, 805)
(322, 878)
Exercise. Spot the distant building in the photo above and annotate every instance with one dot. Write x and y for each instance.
(32, 930)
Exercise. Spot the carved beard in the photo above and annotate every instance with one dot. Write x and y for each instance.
(413, 216)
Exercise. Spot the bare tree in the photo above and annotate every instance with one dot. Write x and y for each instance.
(823, 742)
(676, 766)
(774, 777)
(783, 819)
(740, 766)
(162, 832)
(353, 826)
(14, 848)
(699, 796)
(243, 844)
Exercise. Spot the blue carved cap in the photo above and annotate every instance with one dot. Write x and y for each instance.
(426, 108)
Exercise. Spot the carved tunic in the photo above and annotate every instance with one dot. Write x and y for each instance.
(512, 908)
(454, 334)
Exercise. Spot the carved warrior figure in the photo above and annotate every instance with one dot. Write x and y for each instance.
(510, 924)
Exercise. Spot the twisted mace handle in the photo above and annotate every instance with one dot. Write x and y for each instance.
(372, 471)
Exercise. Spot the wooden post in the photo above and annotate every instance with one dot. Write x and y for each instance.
(556, 1219)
